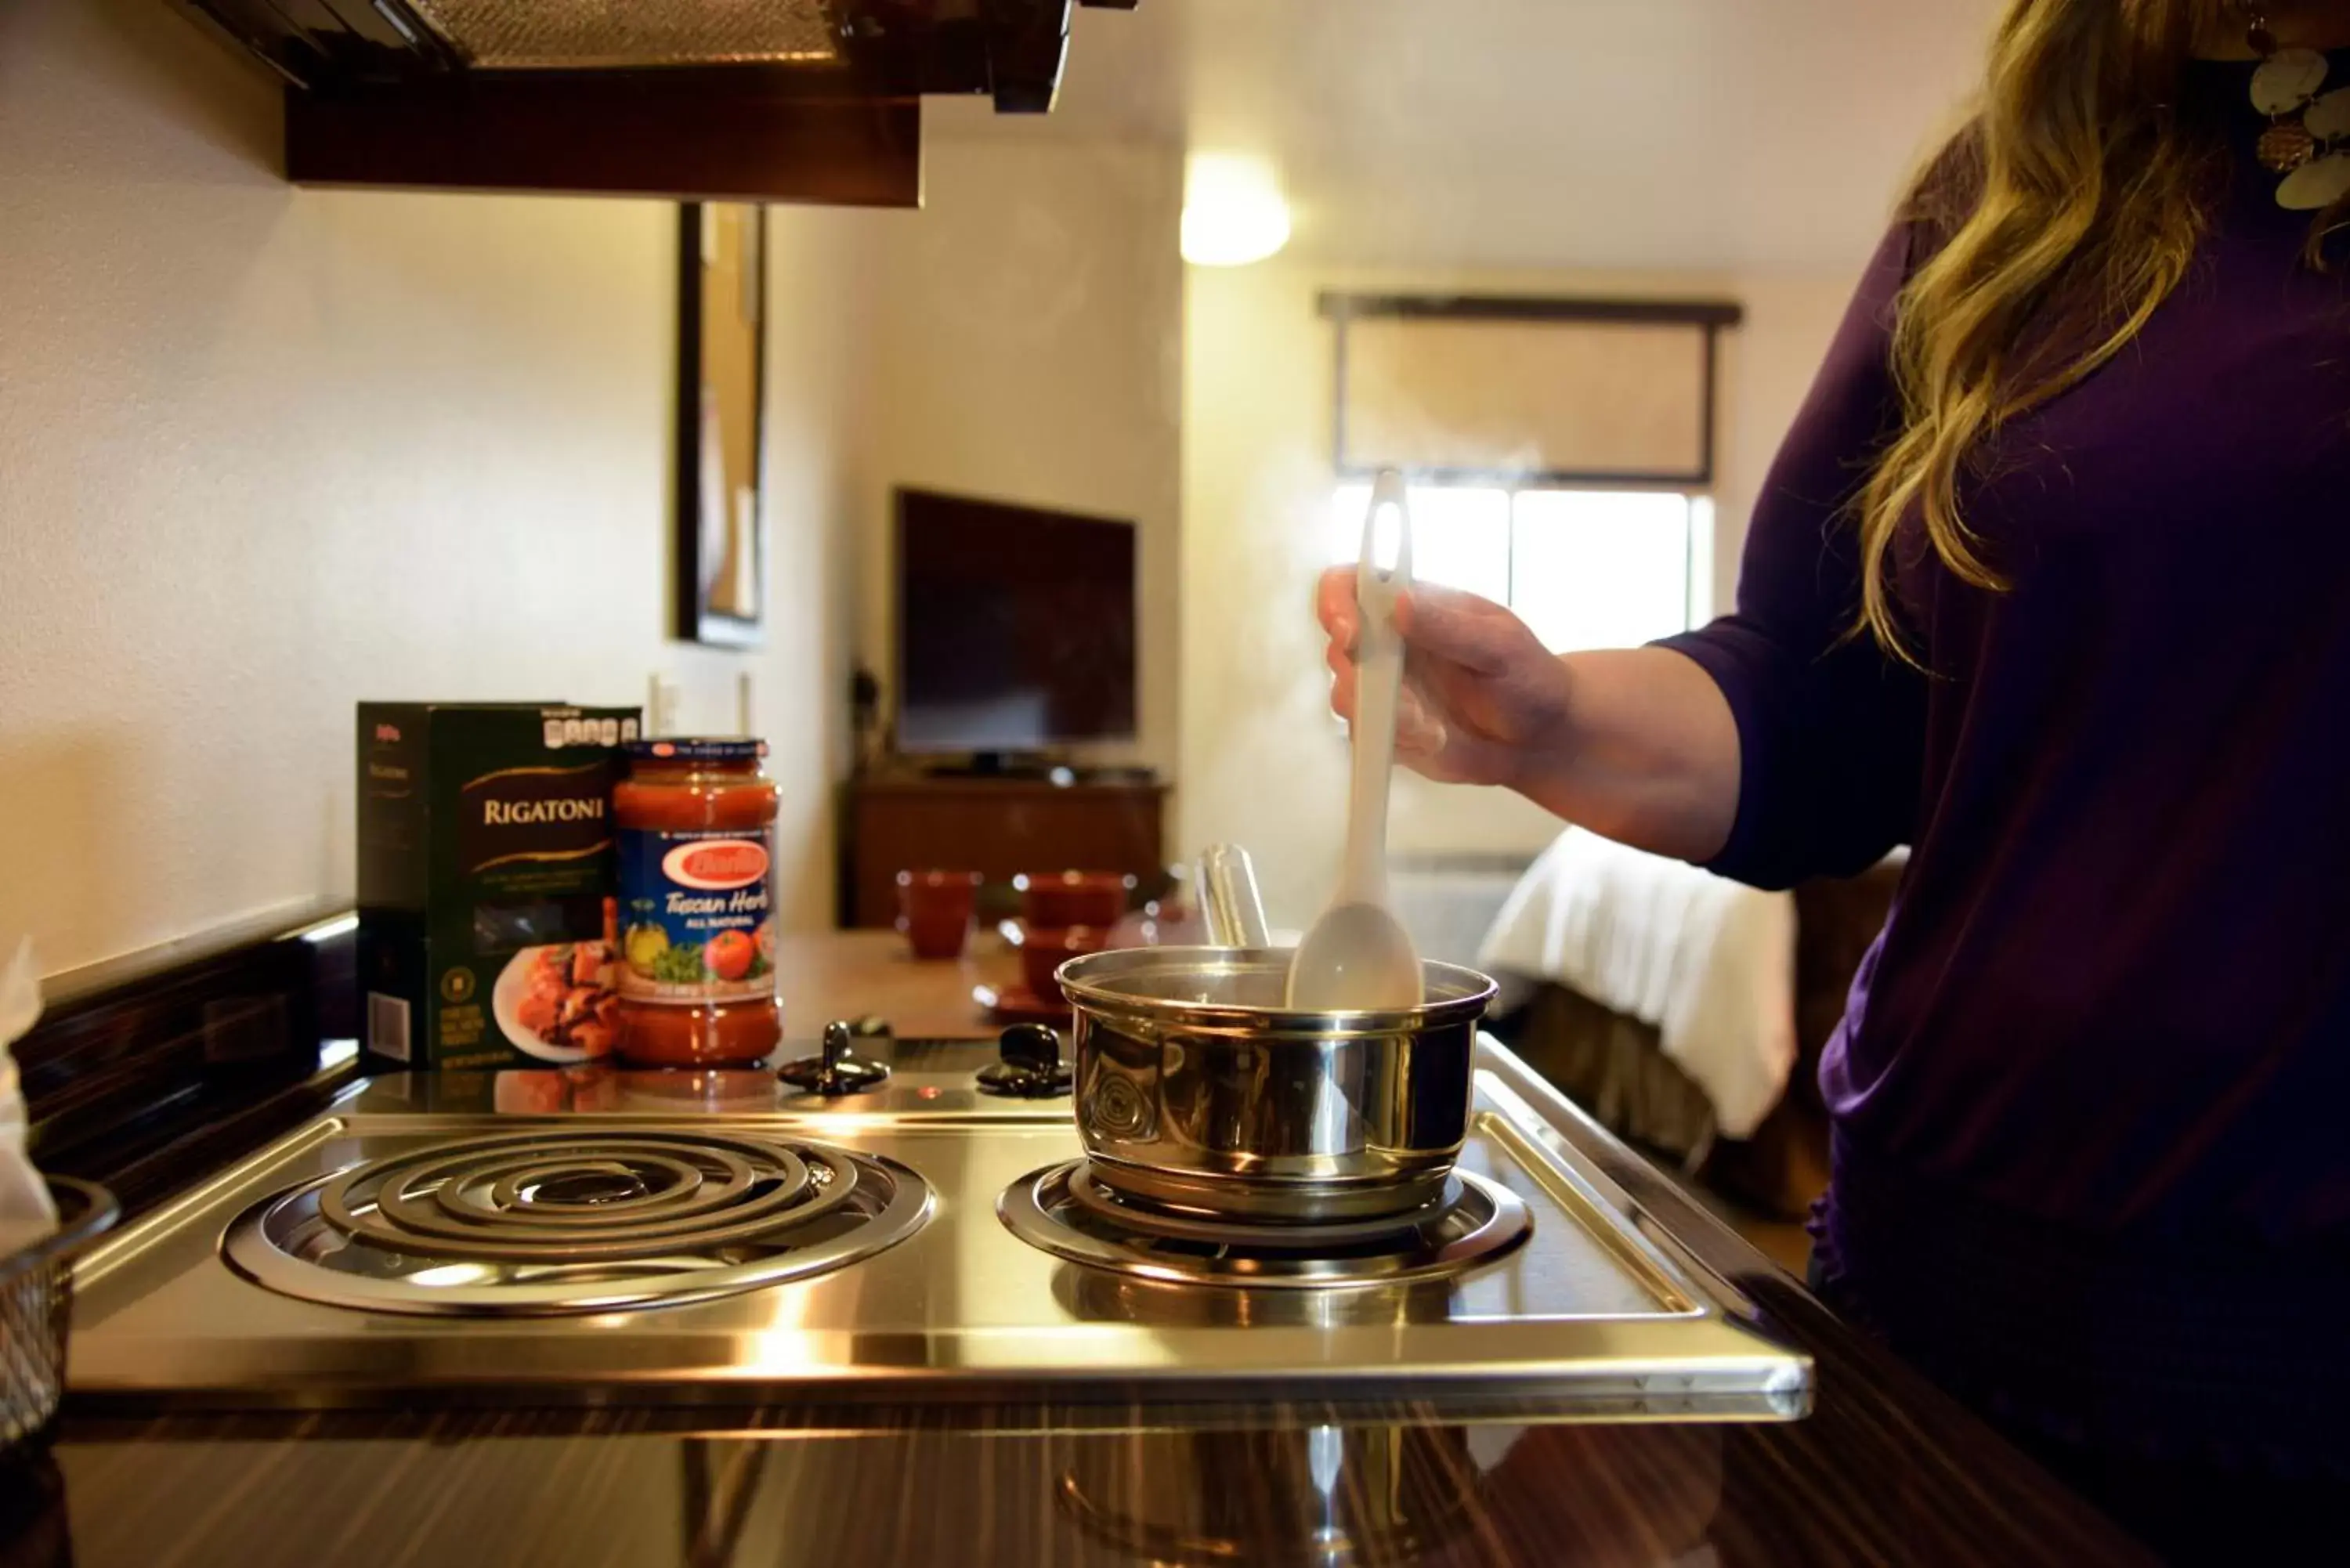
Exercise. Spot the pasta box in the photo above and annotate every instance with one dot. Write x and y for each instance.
(485, 880)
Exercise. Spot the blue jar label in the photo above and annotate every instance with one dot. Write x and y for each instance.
(696, 910)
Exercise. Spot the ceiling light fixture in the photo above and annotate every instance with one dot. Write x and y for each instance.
(1233, 213)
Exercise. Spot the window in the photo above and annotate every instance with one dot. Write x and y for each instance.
(1584, 569)
(1561, 451)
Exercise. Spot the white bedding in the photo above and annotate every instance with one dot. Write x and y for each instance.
(1710, 962)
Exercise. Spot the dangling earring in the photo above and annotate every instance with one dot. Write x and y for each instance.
(2306, 127)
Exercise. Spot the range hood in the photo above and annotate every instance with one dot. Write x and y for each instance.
(808, 100)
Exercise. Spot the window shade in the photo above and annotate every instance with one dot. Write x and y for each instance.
(1458, 389)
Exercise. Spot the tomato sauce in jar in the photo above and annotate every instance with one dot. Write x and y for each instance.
(696, 821)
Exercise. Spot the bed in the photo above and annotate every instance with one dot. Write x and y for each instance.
(1727, 1090)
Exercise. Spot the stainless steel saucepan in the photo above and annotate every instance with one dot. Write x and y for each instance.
(1197, 1086)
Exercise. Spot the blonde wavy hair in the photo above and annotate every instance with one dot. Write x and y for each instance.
(2057, 222)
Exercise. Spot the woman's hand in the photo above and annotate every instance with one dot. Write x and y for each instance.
(1482, 696)
(1636, 743)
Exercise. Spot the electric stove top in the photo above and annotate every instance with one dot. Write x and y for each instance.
(585, 1235)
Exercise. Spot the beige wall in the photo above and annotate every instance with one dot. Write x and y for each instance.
(1261, 762)
(267, 452)
(1027, 346)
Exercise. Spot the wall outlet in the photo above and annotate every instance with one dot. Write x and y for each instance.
(662, 696)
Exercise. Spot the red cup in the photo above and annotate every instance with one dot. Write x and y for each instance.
(1043, 948)
(934, 910)
(1056, 900)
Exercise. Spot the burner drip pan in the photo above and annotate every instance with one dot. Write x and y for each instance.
(540, 1224)
(1066, 1211)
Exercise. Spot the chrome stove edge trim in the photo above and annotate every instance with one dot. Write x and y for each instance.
(1617, 1388)
(1635, 1253)
(1022, 1406)
(165, 1220)
(1612, 1174)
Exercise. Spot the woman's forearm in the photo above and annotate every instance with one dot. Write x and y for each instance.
(1645, 752)
(1635, 743)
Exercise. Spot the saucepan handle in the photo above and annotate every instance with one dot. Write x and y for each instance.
(1229, 899)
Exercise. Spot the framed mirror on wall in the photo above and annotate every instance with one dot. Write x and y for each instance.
(721, 419)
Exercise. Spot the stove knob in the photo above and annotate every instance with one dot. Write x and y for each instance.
(1029, 1064)
(836, 1069)
(1035, 1046)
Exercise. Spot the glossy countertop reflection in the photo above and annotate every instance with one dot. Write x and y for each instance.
(1883, 1473)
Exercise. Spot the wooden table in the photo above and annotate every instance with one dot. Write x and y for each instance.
(826, 975)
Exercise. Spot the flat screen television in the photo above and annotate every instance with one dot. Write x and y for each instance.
(1015, 627)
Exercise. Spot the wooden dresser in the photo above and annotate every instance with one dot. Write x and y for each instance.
(996, 827)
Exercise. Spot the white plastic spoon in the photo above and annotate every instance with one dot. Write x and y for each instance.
(1358, 958)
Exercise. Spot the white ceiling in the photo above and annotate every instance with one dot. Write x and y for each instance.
(1697, 134)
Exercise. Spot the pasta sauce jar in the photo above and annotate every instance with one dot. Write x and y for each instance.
(696, 824)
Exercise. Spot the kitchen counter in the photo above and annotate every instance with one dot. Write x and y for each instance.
(825, 975)
(1885, 1469)
(1881, 1474)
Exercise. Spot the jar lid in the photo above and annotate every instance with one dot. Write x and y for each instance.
(699, 747)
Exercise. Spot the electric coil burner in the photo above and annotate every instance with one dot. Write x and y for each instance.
(1066, 1211)
(538, 1223)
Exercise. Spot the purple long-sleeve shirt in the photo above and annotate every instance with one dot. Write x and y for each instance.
(2115, 992)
